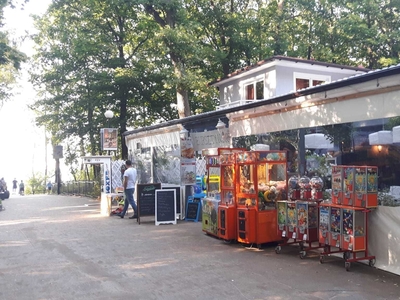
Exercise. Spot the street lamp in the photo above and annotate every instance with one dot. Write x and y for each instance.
(109, 114)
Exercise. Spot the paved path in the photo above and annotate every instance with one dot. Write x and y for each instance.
(56, 247)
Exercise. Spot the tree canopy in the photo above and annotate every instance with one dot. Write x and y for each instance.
(151, 61)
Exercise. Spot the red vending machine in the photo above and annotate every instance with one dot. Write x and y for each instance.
(287, 220)
(354, 225)
(348, 185)
(337, 184)
(227, 227)
(261, 181)
(366, 187)
(335, 226)
(324, 224)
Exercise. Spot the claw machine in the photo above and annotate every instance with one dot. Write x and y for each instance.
(366, 187)
(210, 203)
(261, 182)
(227, 207)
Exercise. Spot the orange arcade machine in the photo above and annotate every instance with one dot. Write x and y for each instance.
(227, 207)
(261, 180)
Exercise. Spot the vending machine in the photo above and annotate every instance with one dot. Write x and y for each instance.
(261, 181)
(354, 229)
(307, 221)
(366, 187)
(287, 219)
(335, 226)
(337, 184)
(324, 224)
(348, 185)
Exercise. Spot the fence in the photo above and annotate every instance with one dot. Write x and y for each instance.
(84, 188)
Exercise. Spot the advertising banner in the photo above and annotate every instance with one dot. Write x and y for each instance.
(109, 138)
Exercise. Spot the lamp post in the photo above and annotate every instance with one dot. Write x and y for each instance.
(108, 114)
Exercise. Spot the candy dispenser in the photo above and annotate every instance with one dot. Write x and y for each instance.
(305, 188)
(307, 221)
(337, 184)
(294, 187)
(354, 229)
(335, 228)
(348, 185)
(316, 184)
(366, 187)
(324, 224)
(282, 217)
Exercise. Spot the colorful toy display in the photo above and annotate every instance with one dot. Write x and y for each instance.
(366, 187)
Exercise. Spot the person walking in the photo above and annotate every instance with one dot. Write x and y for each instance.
(15, 182)
(22, 188)
(130, 176)
(49, 187)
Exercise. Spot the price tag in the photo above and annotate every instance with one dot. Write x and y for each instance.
(294, 235)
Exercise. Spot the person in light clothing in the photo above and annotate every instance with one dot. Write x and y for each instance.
(130, 176)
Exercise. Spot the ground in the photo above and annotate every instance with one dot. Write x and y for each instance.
(59, 247)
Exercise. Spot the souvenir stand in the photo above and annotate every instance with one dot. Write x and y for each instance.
(227, 207)
(344, 228)
(211, 202)
(261, 180)
(301, 215)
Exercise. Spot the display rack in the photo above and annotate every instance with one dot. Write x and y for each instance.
(298, 219)
(344, 229)
(261, 181)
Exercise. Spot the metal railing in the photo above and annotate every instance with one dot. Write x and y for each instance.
(84, 188)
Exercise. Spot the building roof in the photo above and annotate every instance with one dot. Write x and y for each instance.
(212, 115)
(289, 59)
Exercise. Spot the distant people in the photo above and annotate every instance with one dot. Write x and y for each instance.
(15, 182)
(21, 188)
(3, 184)
(49, 187)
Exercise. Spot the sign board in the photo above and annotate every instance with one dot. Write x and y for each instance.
(177, 188)
(192, 211)
(165, 206)
(146, 199)
(109, 138)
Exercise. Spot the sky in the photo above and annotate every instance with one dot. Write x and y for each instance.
(23, 149)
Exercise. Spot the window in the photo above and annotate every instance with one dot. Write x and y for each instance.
(254, 91)
(303, 80)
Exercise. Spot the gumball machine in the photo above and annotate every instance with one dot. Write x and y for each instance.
(305, 188)
(316, 184)
(294, 187)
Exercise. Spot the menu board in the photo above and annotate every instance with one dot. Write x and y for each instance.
(192, 211)
(146, 198)
(165, 206)
(177, 188)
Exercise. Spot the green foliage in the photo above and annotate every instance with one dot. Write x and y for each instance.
(35, 184)
(151, 61)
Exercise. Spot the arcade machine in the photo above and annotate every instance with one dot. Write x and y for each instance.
(211, 202)
(261, 181)
(227, 207)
